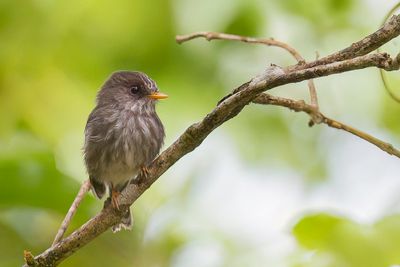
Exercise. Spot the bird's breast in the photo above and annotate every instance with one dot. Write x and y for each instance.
(140, 138)
(118, 150)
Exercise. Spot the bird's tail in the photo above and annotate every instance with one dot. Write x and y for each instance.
(125, 223)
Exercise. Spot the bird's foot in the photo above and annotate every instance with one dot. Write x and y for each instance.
(114, 199)
(144, 172)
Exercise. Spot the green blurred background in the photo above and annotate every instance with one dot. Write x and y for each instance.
(262, 190)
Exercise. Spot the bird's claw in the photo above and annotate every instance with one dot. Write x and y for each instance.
(144, 172)
(114, 199)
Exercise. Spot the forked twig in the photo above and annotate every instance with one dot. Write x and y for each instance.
(71, 212)
(299, 105)
(266, 41)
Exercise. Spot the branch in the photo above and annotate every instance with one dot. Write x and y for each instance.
(193, 136)
(85, 187)
(385, 82)
(267, 99)
(389, 30)
(209, 36)
(225, 36)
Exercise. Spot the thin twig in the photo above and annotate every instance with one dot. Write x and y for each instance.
(384, 79)
(313, 91)
(71, 212)
(387, 32)
(225, 36)
(313, 99)
(313, 94)
(299, 105)
(266, 41)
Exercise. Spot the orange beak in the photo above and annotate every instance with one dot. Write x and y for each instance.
(158, 95)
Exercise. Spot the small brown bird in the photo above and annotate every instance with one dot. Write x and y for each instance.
(123, 134)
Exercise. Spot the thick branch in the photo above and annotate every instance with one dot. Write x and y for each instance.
(390, 30)
(267, 99)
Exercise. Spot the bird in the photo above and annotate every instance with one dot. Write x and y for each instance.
(123, 135)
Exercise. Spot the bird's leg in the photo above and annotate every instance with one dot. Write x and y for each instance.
(114, 198)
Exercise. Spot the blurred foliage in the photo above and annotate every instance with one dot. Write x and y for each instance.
(56, 54)
(326, 15)
(342, 242)
(245, 21)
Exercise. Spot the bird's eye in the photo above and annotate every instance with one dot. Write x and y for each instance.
(134, 89)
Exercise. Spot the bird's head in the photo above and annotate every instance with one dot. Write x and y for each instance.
(129, 88)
